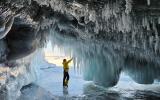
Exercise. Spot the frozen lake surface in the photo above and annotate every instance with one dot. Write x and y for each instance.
(49, 87)
(51, 79)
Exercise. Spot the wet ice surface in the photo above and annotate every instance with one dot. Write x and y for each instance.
(129, 89)
(49, 87)
(51, 79)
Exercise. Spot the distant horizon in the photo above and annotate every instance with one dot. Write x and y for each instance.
(54, 56)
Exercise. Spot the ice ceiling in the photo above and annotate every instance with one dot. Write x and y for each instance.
(105, 37)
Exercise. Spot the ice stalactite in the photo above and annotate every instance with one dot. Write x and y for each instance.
(91, 58)
(158, 20)
(128, 6)
(99, 60)
(102, 61)
(124, 23)
(148, 2)
(99, 34)
(141, 71)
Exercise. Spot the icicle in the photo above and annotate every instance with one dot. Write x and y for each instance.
(128, 6)
(133, 39)
(148, 2)
(158, 20)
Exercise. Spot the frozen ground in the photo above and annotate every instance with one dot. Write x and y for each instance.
(49, 87)
(51, 80)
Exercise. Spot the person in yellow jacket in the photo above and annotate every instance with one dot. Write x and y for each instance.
(65, 73)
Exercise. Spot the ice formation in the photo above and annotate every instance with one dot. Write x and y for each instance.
(24, 72)
(148, 2)
(105, 37)
(103, 63)
(124, 39)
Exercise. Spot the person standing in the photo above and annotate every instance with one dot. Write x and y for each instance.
(65, 72)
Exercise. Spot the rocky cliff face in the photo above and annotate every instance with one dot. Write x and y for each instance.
(104, 36)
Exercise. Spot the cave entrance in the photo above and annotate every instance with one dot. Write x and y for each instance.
(55, 55)
(51, 73)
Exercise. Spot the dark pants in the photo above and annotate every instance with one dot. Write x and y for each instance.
(65, 77)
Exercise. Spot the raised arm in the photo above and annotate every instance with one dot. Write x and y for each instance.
(69, 60)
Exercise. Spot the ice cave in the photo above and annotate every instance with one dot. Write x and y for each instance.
(115, 46)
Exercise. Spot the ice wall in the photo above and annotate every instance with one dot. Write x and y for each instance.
(23, 72)
(95, 60)
(110, 37)
(103, 62)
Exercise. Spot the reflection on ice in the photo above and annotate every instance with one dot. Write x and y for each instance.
(65, 91)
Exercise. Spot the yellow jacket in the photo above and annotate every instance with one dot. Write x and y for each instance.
(66, 66)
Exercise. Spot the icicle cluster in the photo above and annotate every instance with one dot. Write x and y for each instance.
(103, 62)
(128, 6)
(121, 33)
(90, 58)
